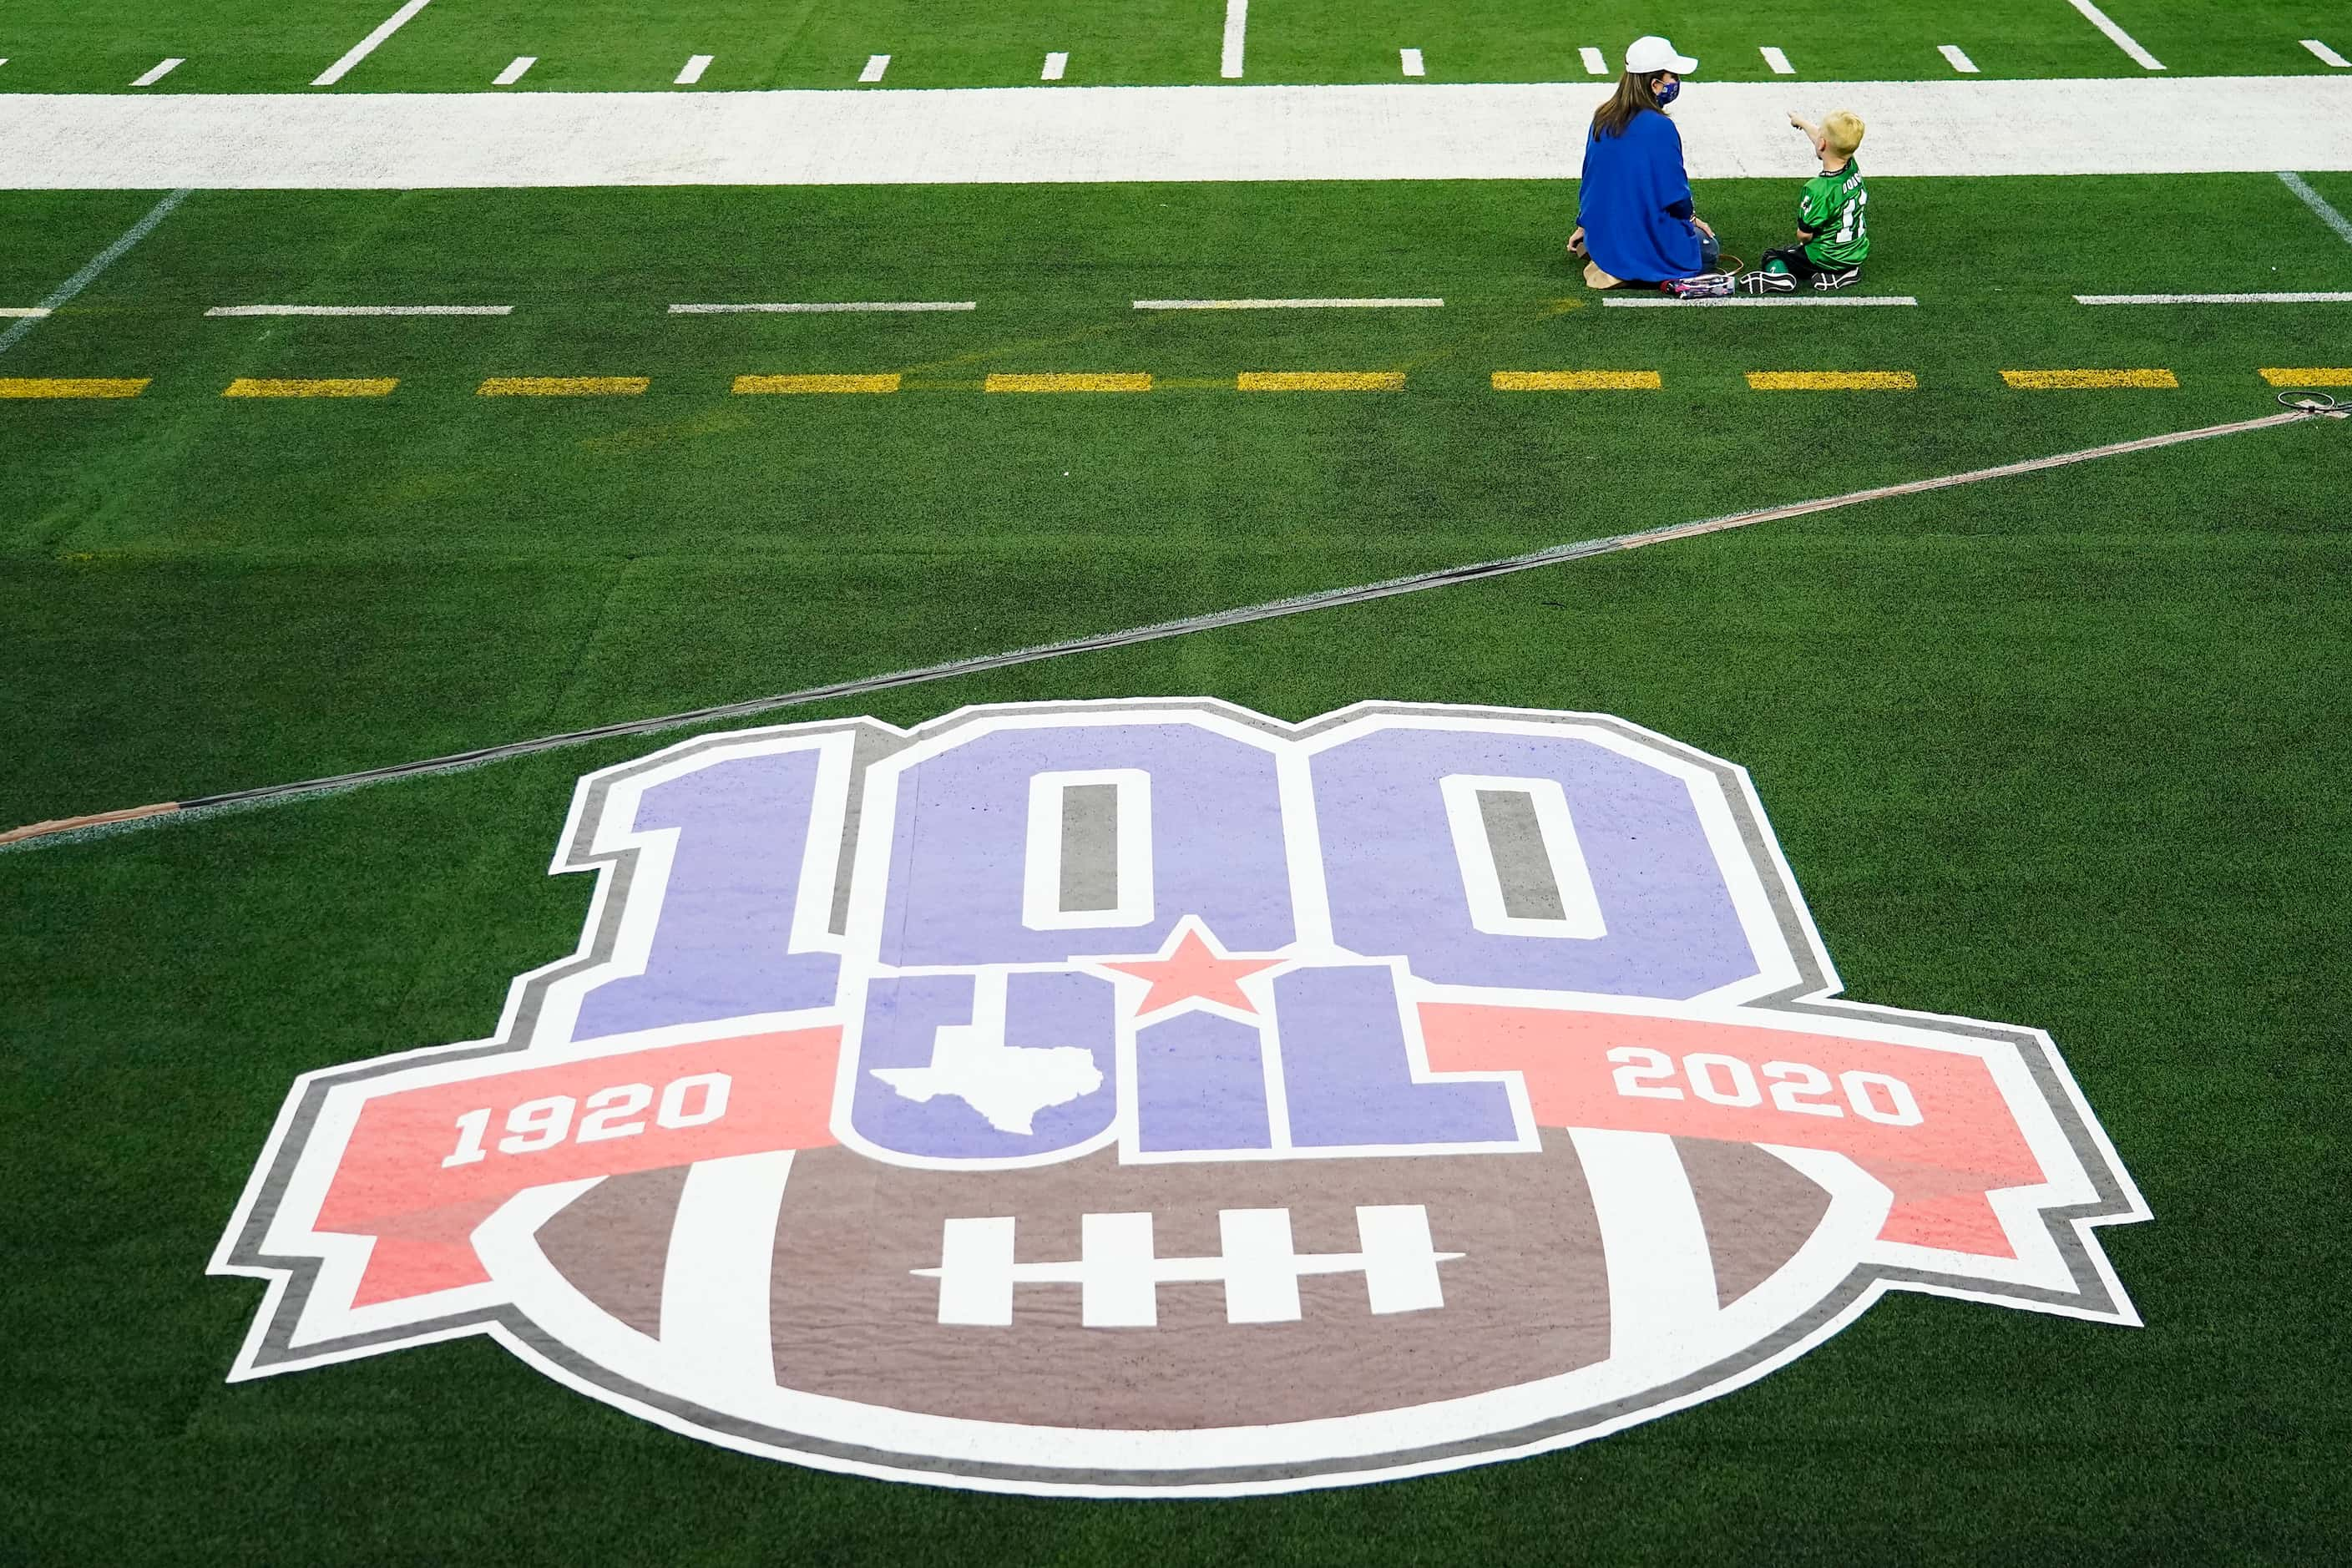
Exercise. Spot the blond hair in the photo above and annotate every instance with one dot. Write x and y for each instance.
(1843, 131)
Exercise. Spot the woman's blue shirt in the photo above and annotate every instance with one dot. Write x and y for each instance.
(1634, 201)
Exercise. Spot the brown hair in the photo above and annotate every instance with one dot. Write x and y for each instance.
(1633, 94)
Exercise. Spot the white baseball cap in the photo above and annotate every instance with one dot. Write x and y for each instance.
(1653, 53)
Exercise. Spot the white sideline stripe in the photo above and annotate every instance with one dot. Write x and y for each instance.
(1958, 57)
(1013, 135)
(2339, 298)
(695, 66)
(2318, 204)
(1595, 62)
(369, 45)
(1778, 61)
(2121, 39)
(1410, 60)
(63, 294)
(1132, 637)
(1661, 1267)
(718, 1282)
(1289, 304)
(1662, 303)
(513, 73)
(1229, 62)
(875, 65)
(361, 311)
(159, 73)
(796, 308)
(2327, 55)
(26, 312)
(1055, 64)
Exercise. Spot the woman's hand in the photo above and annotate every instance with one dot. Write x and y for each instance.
(1576, 240)
(1701, 225)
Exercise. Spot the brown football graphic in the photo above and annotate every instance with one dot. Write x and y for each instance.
(855, 1314)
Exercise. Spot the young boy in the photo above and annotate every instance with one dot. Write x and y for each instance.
(1832, 216)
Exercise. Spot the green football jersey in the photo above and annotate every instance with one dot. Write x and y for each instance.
(1836, 208)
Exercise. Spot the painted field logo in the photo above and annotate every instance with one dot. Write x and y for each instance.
(1149, 1096)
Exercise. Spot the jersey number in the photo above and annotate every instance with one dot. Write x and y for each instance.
(1853, 223)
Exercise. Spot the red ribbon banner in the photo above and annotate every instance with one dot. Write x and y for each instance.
(1933, 1125)
(424, 1166)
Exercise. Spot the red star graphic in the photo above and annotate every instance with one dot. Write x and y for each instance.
(1193, 970)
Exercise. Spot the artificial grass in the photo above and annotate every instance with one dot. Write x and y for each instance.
(2061, 750)
(245, 46)
(212, 594)
(2073, 772)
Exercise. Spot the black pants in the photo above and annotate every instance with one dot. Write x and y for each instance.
(1798, 264)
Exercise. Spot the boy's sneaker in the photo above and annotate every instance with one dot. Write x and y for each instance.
(1705, 286)
(1827, 280)
(1768, 283)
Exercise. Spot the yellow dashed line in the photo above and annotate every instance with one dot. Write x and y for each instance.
(1067, 381)
(2309, 376)
(790, 383)
(1320, 380)
(2071, 380)
(19, 386)
(376, 386)
(563, 386)
(1832, 381)
(1577, 380)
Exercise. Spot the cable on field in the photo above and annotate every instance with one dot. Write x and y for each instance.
(2306, 401)
(2299, 407)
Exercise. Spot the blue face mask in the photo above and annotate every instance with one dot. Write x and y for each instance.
(1669, 92)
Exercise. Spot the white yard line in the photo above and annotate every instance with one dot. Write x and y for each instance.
(369, 45)
(1410, 60)
(2326, 55)
(695, 66)
(1958, 58)
(1662, 302)
(2121, 39)
(513, 73)
(1416, 304)
(2148, 124)
(824, 308)
(1595, 62)
(1229, 62)
(1778, 61)
(25, 312)
(875, 65)
(2318, 204)
(1056, 64)
(63, 294)
(361, 311)
(2213, 298)
(159, 72)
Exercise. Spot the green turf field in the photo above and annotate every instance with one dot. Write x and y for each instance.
(2065, 749)
(2058, 750)
(558, 562)
(459, 46)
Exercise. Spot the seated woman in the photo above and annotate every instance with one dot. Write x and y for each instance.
(1634, 218)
